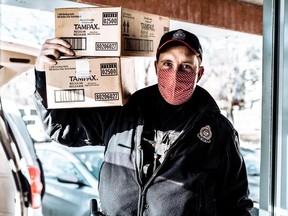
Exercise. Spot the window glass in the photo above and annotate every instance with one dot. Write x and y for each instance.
(232, 62)
(56, 164)
(92, 160)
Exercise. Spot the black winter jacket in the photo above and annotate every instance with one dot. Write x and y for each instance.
(201, 174)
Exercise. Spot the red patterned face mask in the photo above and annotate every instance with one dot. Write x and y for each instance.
(176, 87)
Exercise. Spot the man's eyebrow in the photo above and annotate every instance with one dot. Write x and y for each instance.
(165, 60)
(189, 62)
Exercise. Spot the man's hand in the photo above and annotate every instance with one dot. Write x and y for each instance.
(52, 50)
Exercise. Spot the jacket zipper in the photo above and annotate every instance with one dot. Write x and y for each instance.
(140, 152)
(154, 174)
(139, 165)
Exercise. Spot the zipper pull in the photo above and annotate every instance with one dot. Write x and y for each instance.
(156, 163)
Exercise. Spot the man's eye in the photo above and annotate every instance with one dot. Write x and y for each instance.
(187, 68)
(167, 64)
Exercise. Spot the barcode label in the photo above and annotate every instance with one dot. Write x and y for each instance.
(132, 44)
(107, 96)
(71, 95)
(110, 18)
(77, 43)
(106, 46)
(108, 69)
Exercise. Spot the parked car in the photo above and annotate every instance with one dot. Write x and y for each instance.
(21, 177)
(71, 177)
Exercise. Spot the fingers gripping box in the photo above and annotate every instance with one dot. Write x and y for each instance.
(90, 82)
(110, 31)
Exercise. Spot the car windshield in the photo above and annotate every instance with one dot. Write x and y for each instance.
(92, 160)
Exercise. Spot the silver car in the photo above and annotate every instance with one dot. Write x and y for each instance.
(71, 177)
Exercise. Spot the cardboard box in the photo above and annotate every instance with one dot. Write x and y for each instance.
(110, 31)
(90, 82)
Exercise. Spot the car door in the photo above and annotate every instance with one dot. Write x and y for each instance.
(10, 204)
(21, 182)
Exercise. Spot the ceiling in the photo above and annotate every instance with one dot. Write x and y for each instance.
(47, 6)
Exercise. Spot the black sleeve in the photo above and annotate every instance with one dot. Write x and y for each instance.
(40, 79)
(70, 127)
(233, 193)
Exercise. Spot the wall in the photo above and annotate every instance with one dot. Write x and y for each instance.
(227, 14)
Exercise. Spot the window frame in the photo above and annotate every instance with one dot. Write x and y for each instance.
(274, 132)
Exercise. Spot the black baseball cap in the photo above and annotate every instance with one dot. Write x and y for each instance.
(180, 36)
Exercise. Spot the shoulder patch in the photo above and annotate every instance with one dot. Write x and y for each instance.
(205, 134)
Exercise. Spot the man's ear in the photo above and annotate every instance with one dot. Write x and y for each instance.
(155, 65)
(200, 73)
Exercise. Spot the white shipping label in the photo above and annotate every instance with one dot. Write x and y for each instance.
(82, 68)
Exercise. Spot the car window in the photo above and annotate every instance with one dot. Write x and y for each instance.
(56, 164)
(92, 160)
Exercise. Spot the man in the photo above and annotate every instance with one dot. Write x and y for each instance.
(169, 151)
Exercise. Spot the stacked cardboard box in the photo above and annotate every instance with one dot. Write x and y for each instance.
(104, 39)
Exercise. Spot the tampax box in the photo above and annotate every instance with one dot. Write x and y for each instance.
(90, 82)
(110, 31)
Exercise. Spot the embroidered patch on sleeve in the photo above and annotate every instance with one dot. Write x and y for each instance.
(205, 134)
